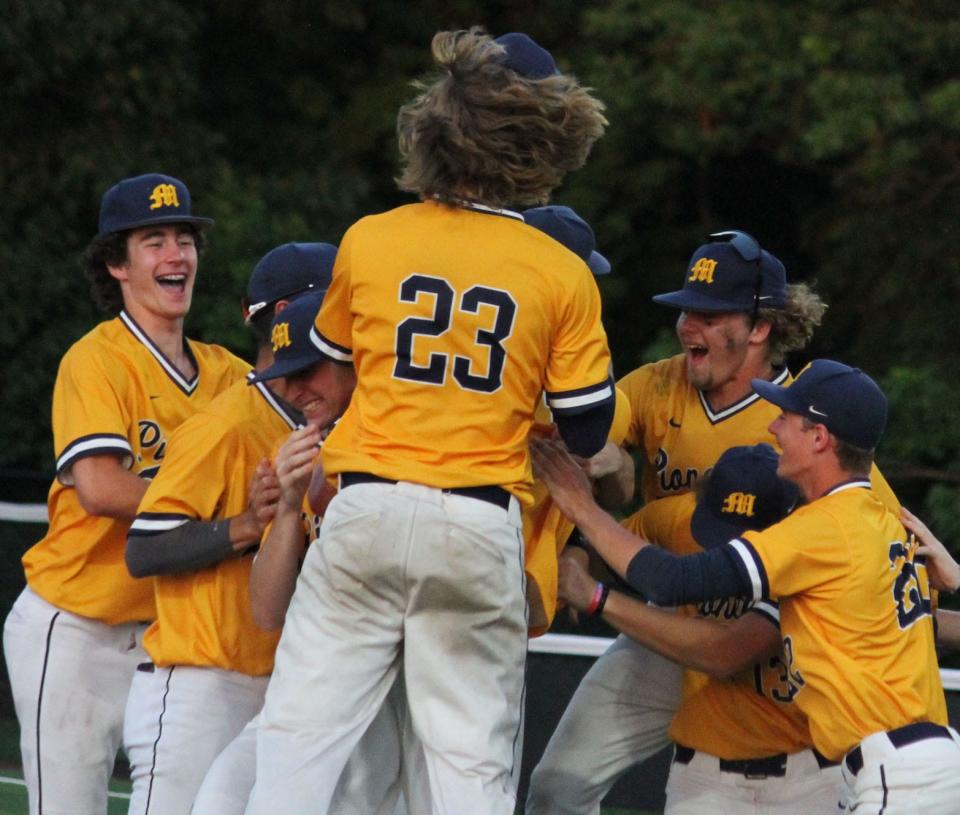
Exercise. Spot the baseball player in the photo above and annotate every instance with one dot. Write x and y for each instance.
(739, 318)
(456, 315)
(858, 640)
(72, 639)
(742, 745)
(195, 533)
(312, 383)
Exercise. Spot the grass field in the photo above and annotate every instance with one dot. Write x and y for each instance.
(13, 796)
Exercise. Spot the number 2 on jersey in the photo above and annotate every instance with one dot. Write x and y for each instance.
(444, 295)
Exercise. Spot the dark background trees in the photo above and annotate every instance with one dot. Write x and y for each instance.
(828, 129)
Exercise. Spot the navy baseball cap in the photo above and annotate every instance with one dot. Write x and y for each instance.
(733, 274)
(844, 399)
(525, 57)
(286, 271)
(292, 349)
(565, 226)
(144, 200)
(743, 491)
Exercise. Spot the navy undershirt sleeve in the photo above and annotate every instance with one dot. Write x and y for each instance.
(586, 433)
(669, 580)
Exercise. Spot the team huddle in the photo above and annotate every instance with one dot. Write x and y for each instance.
(309, 587)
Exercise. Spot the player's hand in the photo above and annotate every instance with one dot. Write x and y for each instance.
(263, 495)
(607, 461)
(575, 585)
(568, 484)
(942, 569)
(295, 463)
(320, 492)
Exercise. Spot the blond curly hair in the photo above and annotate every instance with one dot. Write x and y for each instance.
(792, 326)
(479, 131)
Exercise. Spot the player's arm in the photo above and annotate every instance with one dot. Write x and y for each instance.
(615, 476)
(662, 577)
(105, 487)
(719, 649)
(943, 570)
(948, 628)
(274, 573)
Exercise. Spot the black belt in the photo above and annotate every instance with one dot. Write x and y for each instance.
(901, 737)
(497, 496)
(146, 667)
(768, 767)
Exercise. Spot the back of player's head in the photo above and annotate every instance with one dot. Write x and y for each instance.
(497, 124)
(565, 226)
(144, 200)
(285, 272)
(742, 491)
(293, 350)
(843, 399)
(731, 274)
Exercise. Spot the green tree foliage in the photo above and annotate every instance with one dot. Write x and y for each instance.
(827, 128)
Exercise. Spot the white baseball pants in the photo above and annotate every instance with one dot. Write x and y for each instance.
(919, 777)
(701, 788)
(618, 717)
(178, 720)
(401, 569)
(70, 676)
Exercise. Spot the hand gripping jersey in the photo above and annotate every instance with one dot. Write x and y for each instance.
(456, 319)
(204, 617)
(116, 393)
(546, 529)
(855, 616)
(751, 714)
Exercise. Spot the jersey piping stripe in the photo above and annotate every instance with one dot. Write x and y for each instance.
(91, 446)
(477, 207)
(576, 400)
(753, 567)
(330, 349)
(153, 523)
(43, 679)
(743, 404)
(293, 420)
(849, 485)
(768, 609)
(188, 386)
(156, 743)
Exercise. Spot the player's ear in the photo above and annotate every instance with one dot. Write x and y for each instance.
(760, 331)
(822, 439)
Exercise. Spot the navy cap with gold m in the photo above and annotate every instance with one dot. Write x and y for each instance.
(731, 273)
(742, 491)
(145, 200)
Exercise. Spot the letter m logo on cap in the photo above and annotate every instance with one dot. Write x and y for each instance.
(164, 195)
(739, 503)
(702, 270)
(281, 336)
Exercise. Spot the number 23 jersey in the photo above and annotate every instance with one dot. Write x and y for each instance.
(456, 319)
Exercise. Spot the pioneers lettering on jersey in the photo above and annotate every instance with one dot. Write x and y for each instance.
(702, 270)
(675, 480)
(152, 443)
(164, 195)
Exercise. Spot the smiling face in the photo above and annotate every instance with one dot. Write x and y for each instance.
(158, 276)
(321, 392)
(716, 345)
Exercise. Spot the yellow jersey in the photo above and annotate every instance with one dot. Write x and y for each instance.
(751, 714)
(204, 617)
(456, 319)
(855, 616)
(546, 529)
(680, 434)
(115, 393)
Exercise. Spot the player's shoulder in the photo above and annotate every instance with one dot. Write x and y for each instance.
(667, 373)
(101, 346)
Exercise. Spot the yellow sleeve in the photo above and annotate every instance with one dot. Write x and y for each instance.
(332, 329)
(635, 386)
(578, 369)
(90, 414)
(622, 418)
(883, 490)
(200, 465)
